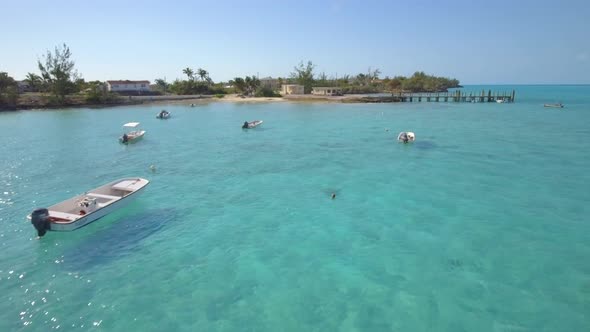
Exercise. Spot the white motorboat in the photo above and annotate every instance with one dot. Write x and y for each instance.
(163, 115)
(558, 105)
(90, 206)
(406, 136)
(252, 124)
(133, 136)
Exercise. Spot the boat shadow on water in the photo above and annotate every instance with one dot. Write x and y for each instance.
(425, 145)
(121, 238)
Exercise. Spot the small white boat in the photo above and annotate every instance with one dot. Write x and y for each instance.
(83, 209)
(558, 105)
(406, 136)
(132, 136)
(500, 101)
(163, 115)
(252, 124)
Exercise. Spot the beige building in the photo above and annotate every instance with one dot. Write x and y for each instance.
(326, 91)
(292, 89)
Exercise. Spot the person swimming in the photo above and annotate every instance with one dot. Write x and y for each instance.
(245, 125)
(333, 195)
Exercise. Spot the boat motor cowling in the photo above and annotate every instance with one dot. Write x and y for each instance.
(40, 220)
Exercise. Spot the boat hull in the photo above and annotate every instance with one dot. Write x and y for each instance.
(254, 124)
(83, 209)
(95, 215)
(133, 139)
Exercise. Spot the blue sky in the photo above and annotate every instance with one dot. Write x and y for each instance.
(487, 42)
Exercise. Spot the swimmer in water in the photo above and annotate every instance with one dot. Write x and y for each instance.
(333, 195)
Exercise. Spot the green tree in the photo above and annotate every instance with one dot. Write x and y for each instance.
(239, 84)
(248, 81)
(373, 74)
(96, 93)
(162, 85)
(203, 75)
(254, 84)
(322, 80)
(58, 72)
(80, 85)
(395, 84)
(34, 81)
(303, 75)
(8, 91)
(189, 73)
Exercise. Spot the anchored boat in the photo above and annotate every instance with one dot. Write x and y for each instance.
(163, 115)
(83, 209)
(252, 124)
(406, 136)
(133, 136)
(558, 105)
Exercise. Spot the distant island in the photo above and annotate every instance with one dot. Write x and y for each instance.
(58, 84)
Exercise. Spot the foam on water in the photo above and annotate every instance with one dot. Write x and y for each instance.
(480, 225)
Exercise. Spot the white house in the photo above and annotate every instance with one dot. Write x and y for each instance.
(128, 86)
(292, 89)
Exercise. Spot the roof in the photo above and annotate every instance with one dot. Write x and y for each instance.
(128, 82)
(327, 87)
(292, 85)
(131, 124)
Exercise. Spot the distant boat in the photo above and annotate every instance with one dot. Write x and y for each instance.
(132, 136)
(163, 115)
(500, 101)
(83, 209)
(252, 124)
(558, 105)
(406, 136)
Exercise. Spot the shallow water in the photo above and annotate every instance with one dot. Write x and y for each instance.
(480, 225)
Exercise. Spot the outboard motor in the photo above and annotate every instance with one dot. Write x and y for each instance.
(40, 220)
(403, 136)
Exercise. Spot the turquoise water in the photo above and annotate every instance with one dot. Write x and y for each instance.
(480, 225)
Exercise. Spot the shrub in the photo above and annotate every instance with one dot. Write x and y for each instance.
(266, 92)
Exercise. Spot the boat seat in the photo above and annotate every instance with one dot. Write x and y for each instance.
(63, 215)
(103, 196)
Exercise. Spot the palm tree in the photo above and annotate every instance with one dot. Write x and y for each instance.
(255, 84)
(248, 84)
(203, 74)
(34, 81)
(189, 73)
(239, 84)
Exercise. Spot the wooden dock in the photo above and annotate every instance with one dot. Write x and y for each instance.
(456, 96)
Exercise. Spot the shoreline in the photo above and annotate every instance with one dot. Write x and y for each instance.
(34, 104)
